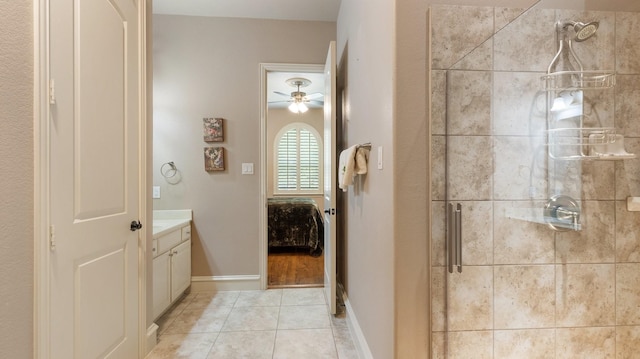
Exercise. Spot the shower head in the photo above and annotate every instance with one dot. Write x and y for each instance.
(583, 31)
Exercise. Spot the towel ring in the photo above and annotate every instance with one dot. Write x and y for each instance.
(168, 172)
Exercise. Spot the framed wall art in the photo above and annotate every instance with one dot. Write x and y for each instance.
(214, 158)
(213, 129)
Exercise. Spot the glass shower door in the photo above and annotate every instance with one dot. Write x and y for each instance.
(535, 249)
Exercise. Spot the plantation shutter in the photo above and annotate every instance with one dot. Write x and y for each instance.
(298, 161)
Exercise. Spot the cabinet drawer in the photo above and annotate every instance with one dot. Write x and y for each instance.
(168, 241)
(186, 232)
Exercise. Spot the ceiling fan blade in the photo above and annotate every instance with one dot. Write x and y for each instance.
(282, 93)
(279, 101)
(321, 103)
(314, 96)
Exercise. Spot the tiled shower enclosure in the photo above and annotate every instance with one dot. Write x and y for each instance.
(526, 290)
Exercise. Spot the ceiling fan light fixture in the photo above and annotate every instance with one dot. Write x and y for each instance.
(298, 107)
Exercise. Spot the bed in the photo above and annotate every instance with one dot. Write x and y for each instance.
(295, 223)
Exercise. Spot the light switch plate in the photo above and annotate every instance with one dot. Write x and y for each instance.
(247, 168)
(156, 191)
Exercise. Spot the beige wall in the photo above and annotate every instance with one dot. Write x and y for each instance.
(367, 29)
(16, 192)
(209, 67)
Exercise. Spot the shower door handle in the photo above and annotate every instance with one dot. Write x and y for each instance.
(451, 240)
(458, 218)
(454, 238)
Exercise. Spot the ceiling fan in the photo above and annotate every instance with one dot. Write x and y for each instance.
(299, 99)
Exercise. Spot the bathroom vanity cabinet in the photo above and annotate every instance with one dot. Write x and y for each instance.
(171, 265)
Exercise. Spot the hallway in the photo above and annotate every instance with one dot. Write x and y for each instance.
(277, 323)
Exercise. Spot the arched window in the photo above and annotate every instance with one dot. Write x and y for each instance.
(298, 160)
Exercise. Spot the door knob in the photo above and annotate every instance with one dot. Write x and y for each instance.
(135, 225)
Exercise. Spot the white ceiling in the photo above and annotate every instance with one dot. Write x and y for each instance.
(309, 10)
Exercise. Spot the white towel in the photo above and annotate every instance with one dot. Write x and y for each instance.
(362, 157)
(346, 167)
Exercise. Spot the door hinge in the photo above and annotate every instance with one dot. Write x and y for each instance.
(52, 238)
(52, 92)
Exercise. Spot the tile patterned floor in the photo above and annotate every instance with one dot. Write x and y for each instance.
(271, 324)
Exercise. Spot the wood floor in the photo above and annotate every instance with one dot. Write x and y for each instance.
(295, 270)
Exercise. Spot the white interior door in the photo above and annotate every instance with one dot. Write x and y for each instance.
(330, 176)
(94, 149)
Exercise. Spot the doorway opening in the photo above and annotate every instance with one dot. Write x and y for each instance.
(292, 175)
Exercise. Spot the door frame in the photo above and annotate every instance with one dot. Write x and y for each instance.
(42, 177)
(262, 211)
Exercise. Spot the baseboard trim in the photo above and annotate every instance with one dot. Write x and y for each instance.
(225, 283)
(152, 338)
(356, 332)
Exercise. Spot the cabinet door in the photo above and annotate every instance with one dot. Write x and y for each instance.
(180, 269)
(161, 283)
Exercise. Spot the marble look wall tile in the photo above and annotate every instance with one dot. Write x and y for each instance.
(627, 107)
(438, 165)
(469, 103)
(627, 241)
(438, 102)
(505, 15)
(519, 107)
(477, 233)
(518, 241)
(595, 243)
(627, 294)
(480, 59)
(530, 344)
(628, 52)
(524, 297)
(586, 343)
(470, 155)
(472, 344)
(438, 298)
(470, 299)
(627, 339)
(452, 43)
(597, 180)
(599, 108)
(585, 295)
(438, 345)
(438, 233)
(245, 344)
(565, 177)
(598, 52)
(627, 179)
(528, 43)
(513, 174)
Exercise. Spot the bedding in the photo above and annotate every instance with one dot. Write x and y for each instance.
(295, 223)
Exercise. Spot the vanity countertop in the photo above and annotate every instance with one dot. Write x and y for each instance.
(165, 221)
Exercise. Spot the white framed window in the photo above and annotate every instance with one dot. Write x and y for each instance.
(298, 160)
